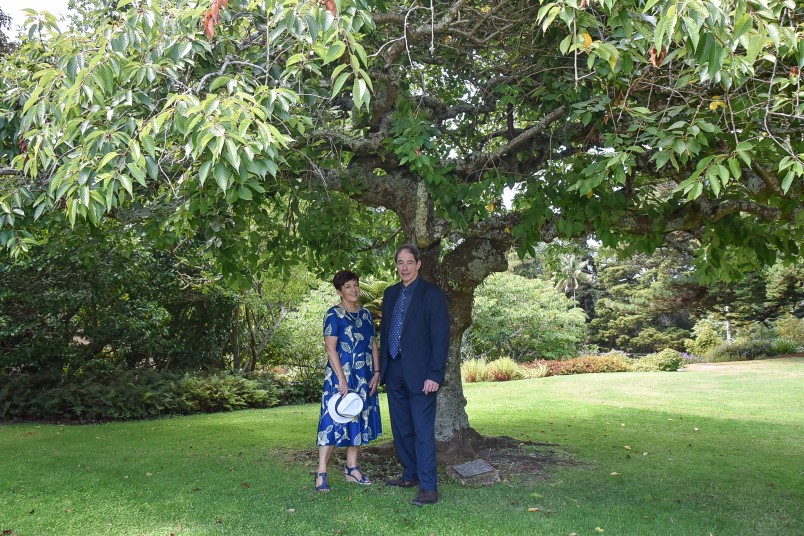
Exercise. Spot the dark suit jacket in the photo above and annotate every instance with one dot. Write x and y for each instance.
(425, 334)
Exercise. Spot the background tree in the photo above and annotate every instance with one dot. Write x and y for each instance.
(523, 319)
(571, 275)
(6, 44)
(274, 127)
(645, 303)
(104, 294)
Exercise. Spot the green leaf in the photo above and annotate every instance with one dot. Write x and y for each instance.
(787, 181)
(221, 174)
(294, 59)
(125, 180)
(339, 83)
(148, 144)
(334, 52)
(244, 193)
(203, 171)
(219, 81)
(106, 159)
(734, 167)
(138, 173)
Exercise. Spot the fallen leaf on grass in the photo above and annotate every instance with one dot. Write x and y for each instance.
(246, 485)
(291, 510)
(533, 509)
(614, 473)
(598, 529)
(626, 447)
(149, 474)
(695, 429)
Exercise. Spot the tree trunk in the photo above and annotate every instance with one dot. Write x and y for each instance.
(237, 358)
(252, 342)
(459, 273)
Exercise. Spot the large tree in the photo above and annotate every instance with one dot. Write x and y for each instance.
(284, 130)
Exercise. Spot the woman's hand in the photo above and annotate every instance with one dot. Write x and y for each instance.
(374, 382)
(343, 386)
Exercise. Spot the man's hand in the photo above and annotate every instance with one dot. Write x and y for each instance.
(430, 387)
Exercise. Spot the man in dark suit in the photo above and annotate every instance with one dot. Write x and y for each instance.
(415, 340)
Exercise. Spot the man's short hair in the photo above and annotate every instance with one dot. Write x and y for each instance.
(410, 248)
(343, 277)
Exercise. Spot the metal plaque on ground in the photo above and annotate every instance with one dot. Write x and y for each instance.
(476, 472)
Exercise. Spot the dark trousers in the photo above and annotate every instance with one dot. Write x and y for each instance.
(413, 425)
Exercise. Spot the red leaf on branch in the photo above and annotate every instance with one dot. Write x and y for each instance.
(330, 5)
(212, 17)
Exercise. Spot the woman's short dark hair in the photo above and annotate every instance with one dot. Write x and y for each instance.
(410, 248)
(343, 277)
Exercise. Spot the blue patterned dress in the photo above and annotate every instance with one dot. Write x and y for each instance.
(356, 335)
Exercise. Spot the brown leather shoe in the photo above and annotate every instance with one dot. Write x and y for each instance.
(399, 483)
(425, 496)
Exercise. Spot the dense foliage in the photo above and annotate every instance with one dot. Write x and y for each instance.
(107, 295)
(297, 346)
(523, 319)
(103, 393)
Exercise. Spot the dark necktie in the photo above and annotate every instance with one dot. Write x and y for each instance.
(396, 324)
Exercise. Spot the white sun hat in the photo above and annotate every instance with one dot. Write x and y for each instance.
(343, 409)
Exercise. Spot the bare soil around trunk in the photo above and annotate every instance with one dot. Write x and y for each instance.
(514, 459)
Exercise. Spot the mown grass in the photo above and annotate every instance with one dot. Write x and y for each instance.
(717, 450)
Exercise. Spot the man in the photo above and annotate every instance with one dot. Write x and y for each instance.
(415, 340)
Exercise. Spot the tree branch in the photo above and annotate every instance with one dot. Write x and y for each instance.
(475, 164)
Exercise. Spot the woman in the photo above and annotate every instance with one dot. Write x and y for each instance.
(353, 364)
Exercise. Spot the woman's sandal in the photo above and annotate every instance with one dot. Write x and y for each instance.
(350, 477)
(324, 484)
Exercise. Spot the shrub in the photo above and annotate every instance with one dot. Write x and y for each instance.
(689, 359)
(504, 369)
(790, 327)
(297, 345)
(742, 351)
(474, 370)
(106, 394)
(535, 370)
(300, 391)
(610, 362)
(500, 370)
(668, 360)
(706, 339)
(785, 346)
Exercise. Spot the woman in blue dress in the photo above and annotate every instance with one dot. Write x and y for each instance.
(353, 364)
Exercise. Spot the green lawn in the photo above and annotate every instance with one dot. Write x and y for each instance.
(718, 450)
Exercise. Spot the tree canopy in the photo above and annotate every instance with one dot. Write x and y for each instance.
(287, 130)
